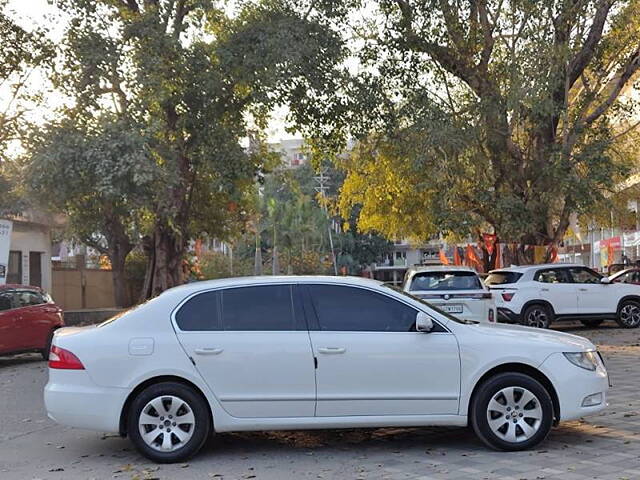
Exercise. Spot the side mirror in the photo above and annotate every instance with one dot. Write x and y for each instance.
(424, 323)
(605, 280)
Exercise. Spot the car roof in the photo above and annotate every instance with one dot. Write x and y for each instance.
(14, 286)
(272, 279)
(525, 268)
(440, 268)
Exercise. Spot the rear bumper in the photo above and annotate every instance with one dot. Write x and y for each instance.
(71, 398)
(507, 316)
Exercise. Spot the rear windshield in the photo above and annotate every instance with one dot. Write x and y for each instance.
(445, 281)
(500, 278)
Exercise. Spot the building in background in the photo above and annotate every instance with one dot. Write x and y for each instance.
(292, 152)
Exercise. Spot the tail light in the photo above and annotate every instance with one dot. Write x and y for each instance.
(63, 359)
(507, 296)
(492, 317)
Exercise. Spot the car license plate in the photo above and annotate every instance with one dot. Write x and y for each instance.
(452, 308)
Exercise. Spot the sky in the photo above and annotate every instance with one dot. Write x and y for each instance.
(31, 14)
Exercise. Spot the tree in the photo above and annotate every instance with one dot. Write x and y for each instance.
(483, 113)
(100, 173)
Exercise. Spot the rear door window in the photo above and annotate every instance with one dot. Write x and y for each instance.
(200, 313)
(6, 300)
(552, 275)
(502, 278)
(260, 308)
(461, 280)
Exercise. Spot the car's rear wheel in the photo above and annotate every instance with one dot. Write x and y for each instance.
(168, 422)
(512, 411)
(537, 315)
(591, 323)
(629, 314)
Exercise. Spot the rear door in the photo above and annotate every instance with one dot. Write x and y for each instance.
(252, 346)
(372, 361)
(554, 285)
(593, 296)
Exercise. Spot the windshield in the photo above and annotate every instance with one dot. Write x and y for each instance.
(432, 307)
(461, 280)
(501, 278)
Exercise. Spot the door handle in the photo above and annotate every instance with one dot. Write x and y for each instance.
(332, 350)
(544, 289)
(583, 289)
(208, 351)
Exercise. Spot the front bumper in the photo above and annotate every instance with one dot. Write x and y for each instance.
(71, 398)
(574, 384)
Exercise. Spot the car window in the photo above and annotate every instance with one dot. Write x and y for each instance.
(583, 275)
(6, 300)
(501, 278)
(552, 275)
(200, 313)
(28, 298)
(259, 308)
(445, 281)
(628, 277)
(351, 309)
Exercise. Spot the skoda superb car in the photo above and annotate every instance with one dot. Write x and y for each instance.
(275, 353)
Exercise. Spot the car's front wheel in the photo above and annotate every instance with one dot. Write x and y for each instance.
(168, 422)
(629, 314)
(511, 411)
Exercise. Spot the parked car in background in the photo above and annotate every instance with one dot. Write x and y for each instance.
(538, 295)
(456, 290)
(628, 275)
(28, 318)
(282, 353)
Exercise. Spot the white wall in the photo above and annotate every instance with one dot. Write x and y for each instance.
(31, 237)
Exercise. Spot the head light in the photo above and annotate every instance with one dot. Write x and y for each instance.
(586, 360)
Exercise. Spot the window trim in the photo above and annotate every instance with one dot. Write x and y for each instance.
(299, 323)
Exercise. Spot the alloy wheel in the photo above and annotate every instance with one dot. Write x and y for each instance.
(514, 414)
(166, 423)
(630, 315)
(537, 318)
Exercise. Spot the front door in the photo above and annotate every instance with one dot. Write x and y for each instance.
(593, 296)
(371, 361)
(554, 286)
(252, 347)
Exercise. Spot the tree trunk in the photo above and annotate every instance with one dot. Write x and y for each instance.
(120, 290)
(165, 270)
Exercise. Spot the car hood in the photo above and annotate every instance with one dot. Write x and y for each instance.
(549, 340)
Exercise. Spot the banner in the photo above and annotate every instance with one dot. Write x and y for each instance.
(5, 239)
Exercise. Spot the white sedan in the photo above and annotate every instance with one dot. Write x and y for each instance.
(274, 353)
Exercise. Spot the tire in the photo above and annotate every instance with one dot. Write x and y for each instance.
(537, 315)
(174, 441)
(629, 314)
(45, 351)
(591, 323)
(502, 432)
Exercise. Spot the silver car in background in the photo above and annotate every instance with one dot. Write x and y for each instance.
(456, 290)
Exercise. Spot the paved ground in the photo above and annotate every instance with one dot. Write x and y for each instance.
(602, 447)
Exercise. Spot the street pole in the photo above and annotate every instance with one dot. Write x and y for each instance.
(323, 185)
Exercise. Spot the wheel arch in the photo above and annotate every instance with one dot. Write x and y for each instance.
(635, 298)
(530, 303)
(124, 413)
(526, 370)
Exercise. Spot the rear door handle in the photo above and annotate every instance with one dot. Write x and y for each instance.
(332, 350)
(208, 351)
(544, 289)
(583, 289)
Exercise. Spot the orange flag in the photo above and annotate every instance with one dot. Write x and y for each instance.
(472, 258)
(443, 258)
(498, 263)
(456, 256)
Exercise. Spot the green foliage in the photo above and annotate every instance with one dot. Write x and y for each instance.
(482, 114)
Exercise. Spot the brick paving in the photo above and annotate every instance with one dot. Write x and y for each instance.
(601, 447)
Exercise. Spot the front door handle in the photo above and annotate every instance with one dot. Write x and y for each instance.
(583, 289)
(544, 289)
(332, 350)
(208, 351)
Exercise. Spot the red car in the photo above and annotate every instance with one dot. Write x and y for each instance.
(28, 318)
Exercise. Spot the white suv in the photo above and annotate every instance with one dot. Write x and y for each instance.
(536, 295)
(456, 290)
